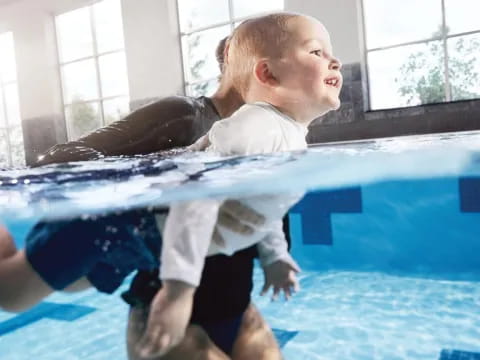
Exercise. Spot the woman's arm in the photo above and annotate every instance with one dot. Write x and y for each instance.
(162, 125)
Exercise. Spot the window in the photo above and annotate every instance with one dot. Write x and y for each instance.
(203, 23)
(93, 66)
(12, 152)
(422, 52)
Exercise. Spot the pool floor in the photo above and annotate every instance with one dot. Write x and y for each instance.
(335, 316)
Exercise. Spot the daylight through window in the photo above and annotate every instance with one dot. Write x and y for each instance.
(203, 23)
(422, 52)
(12, 152)
(93, 66)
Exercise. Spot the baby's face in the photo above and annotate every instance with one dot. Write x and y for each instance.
(307, 71)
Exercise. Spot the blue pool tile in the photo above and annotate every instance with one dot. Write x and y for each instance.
(316, 208)
(458, 355)
(45, 310)
(284, 336)
(469, 189)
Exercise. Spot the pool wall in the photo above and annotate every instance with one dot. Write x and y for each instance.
(421, 227)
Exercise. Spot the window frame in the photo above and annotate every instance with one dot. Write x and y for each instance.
(7, 127)
(232, 22)
(96, 55)
(444, 37)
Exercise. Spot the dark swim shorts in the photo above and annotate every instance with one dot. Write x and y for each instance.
(105, 248)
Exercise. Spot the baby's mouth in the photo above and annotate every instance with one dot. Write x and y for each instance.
(333, 81)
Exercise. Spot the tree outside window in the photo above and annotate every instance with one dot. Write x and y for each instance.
(422, 52)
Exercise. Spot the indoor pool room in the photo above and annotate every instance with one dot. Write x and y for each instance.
(237, 179)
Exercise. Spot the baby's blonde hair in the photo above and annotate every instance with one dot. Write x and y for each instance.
(256, 38)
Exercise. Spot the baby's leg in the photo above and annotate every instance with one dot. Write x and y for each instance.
(21, 286)
(57, 256)
(7, 246)
(255, 339)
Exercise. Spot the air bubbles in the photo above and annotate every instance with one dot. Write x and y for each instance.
(111, 229)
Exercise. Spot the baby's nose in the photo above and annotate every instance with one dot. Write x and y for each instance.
(335, 64)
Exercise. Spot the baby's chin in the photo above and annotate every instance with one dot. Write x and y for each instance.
(335, 103)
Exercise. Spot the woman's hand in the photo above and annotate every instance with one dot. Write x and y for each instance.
(238, 218)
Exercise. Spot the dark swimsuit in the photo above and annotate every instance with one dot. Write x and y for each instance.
(108, 248)
(224, 291)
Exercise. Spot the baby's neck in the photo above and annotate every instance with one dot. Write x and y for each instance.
(303, 113)
(226, 100)
(297, 111)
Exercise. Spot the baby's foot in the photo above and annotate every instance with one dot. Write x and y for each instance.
(170, 312)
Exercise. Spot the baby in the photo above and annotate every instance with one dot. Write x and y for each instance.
(287, 74)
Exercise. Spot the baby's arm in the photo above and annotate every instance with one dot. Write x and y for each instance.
(186, 238)
(278, 265)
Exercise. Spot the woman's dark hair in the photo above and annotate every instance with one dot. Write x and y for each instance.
(220, 52)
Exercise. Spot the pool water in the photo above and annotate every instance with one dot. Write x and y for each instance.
(336, 315)
(388, 238)
(366, 316)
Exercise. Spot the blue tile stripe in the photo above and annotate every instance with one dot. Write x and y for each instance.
(45, 310)
(469, 189)
(284, 336)
(316, 209)
(458, 355)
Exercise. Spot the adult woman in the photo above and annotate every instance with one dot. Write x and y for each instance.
(234, 325)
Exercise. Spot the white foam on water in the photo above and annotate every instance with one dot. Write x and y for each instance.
(197, 175)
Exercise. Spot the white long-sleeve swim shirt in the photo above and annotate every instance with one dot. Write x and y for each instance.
(257, 128)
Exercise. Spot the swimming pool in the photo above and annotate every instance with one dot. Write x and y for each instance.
(391, 257)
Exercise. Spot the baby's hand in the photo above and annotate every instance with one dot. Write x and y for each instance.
(169, 314)
(281, 275)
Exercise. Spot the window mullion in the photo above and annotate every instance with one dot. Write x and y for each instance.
(7, 129)
(62, 82)
(90, 56)
(183, 56)
(231, 15)
(106, 98)
(96, 61)
(448, 90)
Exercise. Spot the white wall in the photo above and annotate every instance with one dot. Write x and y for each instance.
(35, 50)
(153, 48)
(340, 18)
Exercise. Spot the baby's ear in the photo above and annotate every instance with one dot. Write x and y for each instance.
(225, 50)
(263, 73)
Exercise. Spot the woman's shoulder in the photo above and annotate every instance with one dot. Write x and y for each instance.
(178, 102)
(175, 103)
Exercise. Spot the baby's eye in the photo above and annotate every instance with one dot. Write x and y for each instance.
(316, 52)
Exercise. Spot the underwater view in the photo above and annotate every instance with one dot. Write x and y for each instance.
(387, 239)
